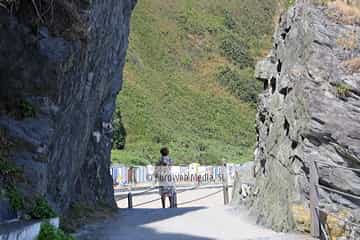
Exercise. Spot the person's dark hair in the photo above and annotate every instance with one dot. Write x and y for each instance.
(164, 151)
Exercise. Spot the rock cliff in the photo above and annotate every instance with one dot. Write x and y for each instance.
(309, 111)
(60, 72)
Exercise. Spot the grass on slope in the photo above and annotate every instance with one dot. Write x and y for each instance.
(186, 62)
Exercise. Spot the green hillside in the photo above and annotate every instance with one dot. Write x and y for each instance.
(188, 81)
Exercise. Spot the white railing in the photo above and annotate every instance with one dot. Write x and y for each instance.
(124, 176)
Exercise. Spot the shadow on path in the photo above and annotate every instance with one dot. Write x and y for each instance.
(141, 216)
(129, 224)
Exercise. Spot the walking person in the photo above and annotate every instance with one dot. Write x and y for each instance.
(166, 181)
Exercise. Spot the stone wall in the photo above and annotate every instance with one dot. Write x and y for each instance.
(309, 111)
(26, 230)
(57, 100)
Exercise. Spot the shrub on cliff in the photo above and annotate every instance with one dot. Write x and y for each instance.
(240, 83)
(15, 198)
(237, 50)
(343, 90)
(49, 232)
(119, 136)
(42, 210)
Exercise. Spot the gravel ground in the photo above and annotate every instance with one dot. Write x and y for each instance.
(202, 219)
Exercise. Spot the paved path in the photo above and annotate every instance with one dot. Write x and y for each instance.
(199, 220)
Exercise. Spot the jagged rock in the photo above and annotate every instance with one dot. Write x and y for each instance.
(310, 110)
(67, 88)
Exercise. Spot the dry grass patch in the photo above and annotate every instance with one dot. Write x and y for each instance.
(344, 12)
(350, 41)
(207, 69)
(352, 65)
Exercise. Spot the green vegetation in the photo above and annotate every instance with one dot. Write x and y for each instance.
(240, 83)
(26, 109)
(17, 108)
(343, 90)
(49, 232)
(188, 81)
(120, 132)
(15, 198)
(9, 173)
(289, 3)
(10, 176)
(7, 169)
(42, 210)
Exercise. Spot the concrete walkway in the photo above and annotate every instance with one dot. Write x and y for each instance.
(199, 220)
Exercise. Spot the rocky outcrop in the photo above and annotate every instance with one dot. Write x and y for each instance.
(309, 111)
(58, 85)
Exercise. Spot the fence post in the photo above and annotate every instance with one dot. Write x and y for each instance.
(225, 184)
(173, 200)
(130, 201)
(314, 200)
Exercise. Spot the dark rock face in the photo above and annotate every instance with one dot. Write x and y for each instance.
(310, 110)
(57, 101)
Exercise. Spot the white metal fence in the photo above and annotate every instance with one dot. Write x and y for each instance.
(128, 175)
